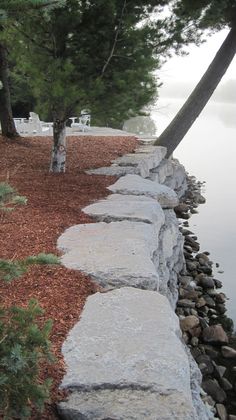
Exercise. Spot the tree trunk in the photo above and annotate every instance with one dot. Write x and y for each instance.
(195, 103)
(58, 159)
(6, 117)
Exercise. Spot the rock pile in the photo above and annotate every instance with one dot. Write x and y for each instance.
(201, 310)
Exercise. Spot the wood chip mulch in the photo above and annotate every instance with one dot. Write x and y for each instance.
(54, 204)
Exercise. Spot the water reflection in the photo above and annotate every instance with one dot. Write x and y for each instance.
(208, 151)
(166, 108)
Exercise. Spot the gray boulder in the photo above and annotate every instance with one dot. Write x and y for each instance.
(125, 360)
(145, 159)
(118, 207)
(136, 185)
(115, 254)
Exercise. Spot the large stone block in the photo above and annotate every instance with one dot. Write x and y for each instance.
(119, 207)
(177, 181)
(136, 185)
(171, 257)
(164, 170)
(159, 151)
(114, 170)
(125, 360)
(115, 254)
(170, 234)
(145, 159)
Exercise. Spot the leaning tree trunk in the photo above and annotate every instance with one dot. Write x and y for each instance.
(58, 159)
(195, 103)
(6, 117)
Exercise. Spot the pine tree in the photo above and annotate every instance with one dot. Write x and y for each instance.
(10, 10)
(23, 346)
(97, 55)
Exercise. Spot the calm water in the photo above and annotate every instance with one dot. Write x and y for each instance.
(208, 151)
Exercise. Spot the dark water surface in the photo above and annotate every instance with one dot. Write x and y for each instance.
(208, 151)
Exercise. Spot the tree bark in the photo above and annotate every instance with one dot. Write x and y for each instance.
(58, 159)
(179, 126)
(6, 117)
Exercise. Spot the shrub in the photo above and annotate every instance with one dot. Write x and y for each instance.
(10, 270)
(8, 197)
(42, 259)
(23, 346)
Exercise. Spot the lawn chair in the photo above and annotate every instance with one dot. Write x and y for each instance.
(35, 123)
(84, 121)
(40, 127)
(22, 126)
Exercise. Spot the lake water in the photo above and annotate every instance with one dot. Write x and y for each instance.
(208, 151)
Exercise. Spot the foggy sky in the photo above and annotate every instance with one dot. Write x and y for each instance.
(225, 92)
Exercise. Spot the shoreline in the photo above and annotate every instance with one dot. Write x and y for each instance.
(207, 330)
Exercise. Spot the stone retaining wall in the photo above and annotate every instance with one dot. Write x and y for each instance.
(125, 357)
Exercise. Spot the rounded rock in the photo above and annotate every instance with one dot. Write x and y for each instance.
(220, 298)
(218, 283)
(207, 282)
(221, 411)
(212, 387)
(215, 334)
(200, 303)
(228, 352)
(226, 385)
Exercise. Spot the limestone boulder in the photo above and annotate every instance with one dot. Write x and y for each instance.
(118, 207)
(136, 185)
(145, 159)
(164, 170)
(115, 254)
(114, 170)
(125, 360)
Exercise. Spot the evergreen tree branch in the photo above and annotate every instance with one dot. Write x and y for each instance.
(17, 5)
(42, 46)
(115, 40)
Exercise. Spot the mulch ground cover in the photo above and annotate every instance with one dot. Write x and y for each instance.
(54, 204)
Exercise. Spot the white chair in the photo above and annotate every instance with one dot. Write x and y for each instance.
(84, 121)
(35, 123)
(47, 128)
(22, 126)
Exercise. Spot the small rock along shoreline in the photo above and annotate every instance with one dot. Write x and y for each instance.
(201, 308)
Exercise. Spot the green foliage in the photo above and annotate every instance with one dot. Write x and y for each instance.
(10, 270)
(23, 346)
(5, 191)
(8, 197)
(15, 6)
(191, 19)
(12, 9)
(98, 55)
(42, 259)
